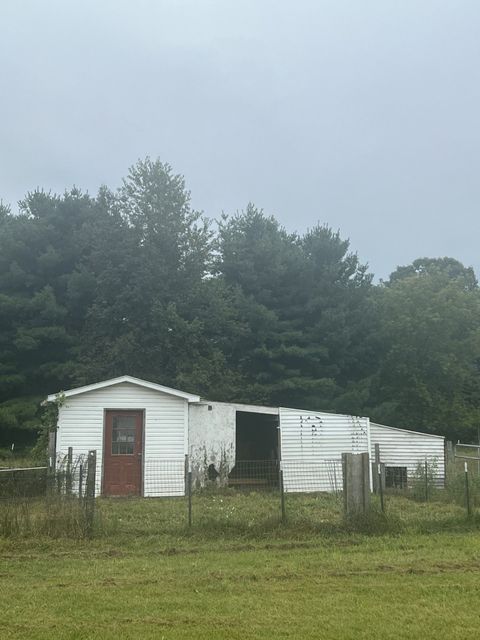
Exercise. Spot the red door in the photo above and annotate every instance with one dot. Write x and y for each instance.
(123, 453)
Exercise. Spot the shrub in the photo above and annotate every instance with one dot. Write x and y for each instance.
(424, 481)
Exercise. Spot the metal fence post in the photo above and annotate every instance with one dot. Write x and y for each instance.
(282, 491)
(478, 452)
(188, 481)
(90, 492)
(426, 480)
(376, 469)
(365, 481)
(467, 491)
(345, 470)
(380, 485)
(280, 472)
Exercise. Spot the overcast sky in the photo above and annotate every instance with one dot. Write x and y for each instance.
(362, 114)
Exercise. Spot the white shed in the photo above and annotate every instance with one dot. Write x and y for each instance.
(142, 432)
(138, 428)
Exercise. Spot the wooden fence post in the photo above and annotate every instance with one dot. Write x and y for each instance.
(80, 481)
(52, 443)
(282, 492)
(51, 453)
(467, 491)
(378, 475)
(68, 475)
(90, 492)
(356, 482)
(449, 461)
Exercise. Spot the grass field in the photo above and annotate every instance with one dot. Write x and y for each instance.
(240, 573)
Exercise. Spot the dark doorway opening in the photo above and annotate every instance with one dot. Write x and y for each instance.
(256, 445)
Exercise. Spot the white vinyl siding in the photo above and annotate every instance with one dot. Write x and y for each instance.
(81, 426)
(400, 448)
(312, 444)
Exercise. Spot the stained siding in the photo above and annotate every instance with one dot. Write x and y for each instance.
(211, 438)
(81, 427)
(400, 448)
(312, 444)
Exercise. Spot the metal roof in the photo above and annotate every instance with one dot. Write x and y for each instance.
(415, 433)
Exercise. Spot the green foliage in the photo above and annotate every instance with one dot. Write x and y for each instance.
(304, 301)
(19, 422)
(449, 268)
(136, 281)
(430, 334)
(48, 424)
(423, 481)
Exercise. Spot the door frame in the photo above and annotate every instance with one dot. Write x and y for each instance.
(142, 469)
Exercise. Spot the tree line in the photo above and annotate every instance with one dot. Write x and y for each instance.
(135, 281)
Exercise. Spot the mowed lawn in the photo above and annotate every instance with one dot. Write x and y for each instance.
(147, 576)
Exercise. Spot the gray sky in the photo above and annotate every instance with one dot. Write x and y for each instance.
(364, 115)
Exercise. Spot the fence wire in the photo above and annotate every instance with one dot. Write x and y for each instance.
(30, 482)
(163, 477)
(48, 501)
(241, 495)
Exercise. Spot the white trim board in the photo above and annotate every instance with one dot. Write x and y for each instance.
(121, 379)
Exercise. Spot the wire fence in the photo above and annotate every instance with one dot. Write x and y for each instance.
(251, 494)
(61, 499)
(162, 478)
(66, 477)
(53, 500)
(21, 482)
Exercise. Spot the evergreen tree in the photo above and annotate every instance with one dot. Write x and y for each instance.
(428, 376)
(42, 301)
(302, 299)
(153, 312)
(136, 281)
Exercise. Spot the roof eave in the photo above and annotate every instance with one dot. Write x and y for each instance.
(122, 379)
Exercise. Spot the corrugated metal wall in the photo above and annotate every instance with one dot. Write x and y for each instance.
(401, 448)
(81, 423)
(312, 444)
